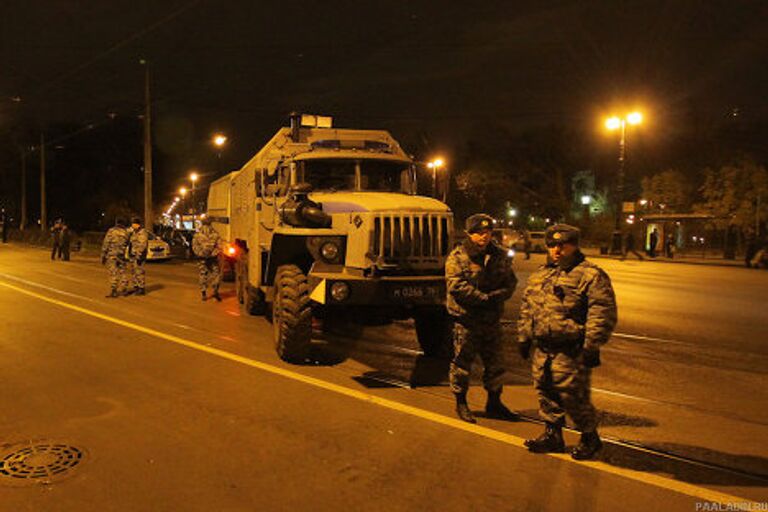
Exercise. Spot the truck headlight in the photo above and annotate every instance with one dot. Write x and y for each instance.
(339, 291)
(329, 251)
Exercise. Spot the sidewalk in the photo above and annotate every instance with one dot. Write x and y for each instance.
(594, 252)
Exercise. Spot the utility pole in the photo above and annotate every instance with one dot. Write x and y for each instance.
(148, 217)
(23, 220)
(43, 211)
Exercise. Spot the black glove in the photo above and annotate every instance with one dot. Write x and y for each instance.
(496, 296)
(524, 349)
(592, 358)
(103, 260)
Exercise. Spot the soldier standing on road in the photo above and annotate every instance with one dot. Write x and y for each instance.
(137, 256)
(113, 255)
(568, 312)
(56, 239)
(206, 246)
(65, 238)
(479, 280)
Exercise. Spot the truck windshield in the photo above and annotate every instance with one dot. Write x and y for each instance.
(358, 175)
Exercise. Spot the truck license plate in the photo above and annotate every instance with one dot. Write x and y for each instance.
(416, 293)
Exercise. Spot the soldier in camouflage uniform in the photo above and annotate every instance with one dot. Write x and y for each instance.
(137, 256)
(206, 246)
(113, 251)
(479, 279)
(568, 312)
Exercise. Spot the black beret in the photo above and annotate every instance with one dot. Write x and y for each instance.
(561, 234)
(478, 222)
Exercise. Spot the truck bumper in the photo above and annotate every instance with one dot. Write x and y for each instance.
(384, 291)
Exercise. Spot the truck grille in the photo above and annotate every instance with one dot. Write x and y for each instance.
(410, 237)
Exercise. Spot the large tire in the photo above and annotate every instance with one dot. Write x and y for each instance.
(292, 314)
(434, 330)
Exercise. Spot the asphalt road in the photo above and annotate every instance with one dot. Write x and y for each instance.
(176, 404)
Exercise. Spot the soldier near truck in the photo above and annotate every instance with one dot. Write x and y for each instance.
(137, 257)
(206, 245)
(568, 312)
(326, 224)
(479, 280)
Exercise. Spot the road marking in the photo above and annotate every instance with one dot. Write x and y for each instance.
(644, 478)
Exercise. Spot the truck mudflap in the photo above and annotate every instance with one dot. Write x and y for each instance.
(340, 289)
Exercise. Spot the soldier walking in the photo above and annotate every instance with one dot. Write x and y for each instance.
(568, 312)
(113, 255)
(137, 256)
(479, 279)
(206, 246)
(56, 239)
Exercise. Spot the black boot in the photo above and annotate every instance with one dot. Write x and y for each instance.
(112, 294)
(496, 410)
(139, 291)
(216, 294)
(588, 446)
(462, 409)
(551, 441)
(204, 296)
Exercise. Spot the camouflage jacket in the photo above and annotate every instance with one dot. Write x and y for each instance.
(570, 305)
(478, 282)
(139, 243)
(206, 242)
(115, 243)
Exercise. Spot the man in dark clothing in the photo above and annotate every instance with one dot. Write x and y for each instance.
(479, 280)
(629, 247)
(653, 241)
(56, 240)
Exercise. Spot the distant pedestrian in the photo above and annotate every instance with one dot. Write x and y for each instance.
(527, 244)
(65, 239)
(751, 247)
(113, 255)
(653, 241)
(206, 245)
(669, 246)
(568, 312)
(56, 239)
(479, 280)
(629, 247)
(138, 243)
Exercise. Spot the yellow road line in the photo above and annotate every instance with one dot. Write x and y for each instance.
(638, 476)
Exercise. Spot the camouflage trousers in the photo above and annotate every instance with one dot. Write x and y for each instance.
(210, 273)
(562, 384)
(116, 270)
(137, 276)
(469, 341)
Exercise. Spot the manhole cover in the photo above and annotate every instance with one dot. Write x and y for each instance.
(38, 462)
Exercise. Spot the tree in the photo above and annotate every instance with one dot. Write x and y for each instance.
(734, 193)
(669, 188)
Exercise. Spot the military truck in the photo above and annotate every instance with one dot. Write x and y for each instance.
(328, 227)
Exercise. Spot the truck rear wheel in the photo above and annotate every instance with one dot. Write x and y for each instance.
(434, 331)
(292, 314)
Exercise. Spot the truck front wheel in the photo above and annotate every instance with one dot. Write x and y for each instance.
(251, 298)
(434, 330)
(292, 314)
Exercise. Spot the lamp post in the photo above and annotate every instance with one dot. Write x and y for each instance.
(193, 178)
(435, 165)
(184, 209)
(620, 123)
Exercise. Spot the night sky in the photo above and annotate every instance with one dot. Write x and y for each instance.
(434, 73)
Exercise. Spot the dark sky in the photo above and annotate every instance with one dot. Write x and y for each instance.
(432, 72)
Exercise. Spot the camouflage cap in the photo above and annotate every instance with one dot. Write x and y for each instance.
(120, 221)
(478, 222)
(135, 220)
(562, 234)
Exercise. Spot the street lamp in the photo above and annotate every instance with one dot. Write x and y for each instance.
(435, 165)
(620, 123)
(219, 139)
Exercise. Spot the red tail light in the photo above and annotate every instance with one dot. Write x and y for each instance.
(231, 250)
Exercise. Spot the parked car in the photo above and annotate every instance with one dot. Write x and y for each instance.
(157, 248)
(536, 240)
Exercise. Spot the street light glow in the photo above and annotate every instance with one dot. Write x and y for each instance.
(585, 199)
(438, 162)
(193, 177)
(512, 212)
(635, 118)
(183, 191)
(613, 123)
(219, 139)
